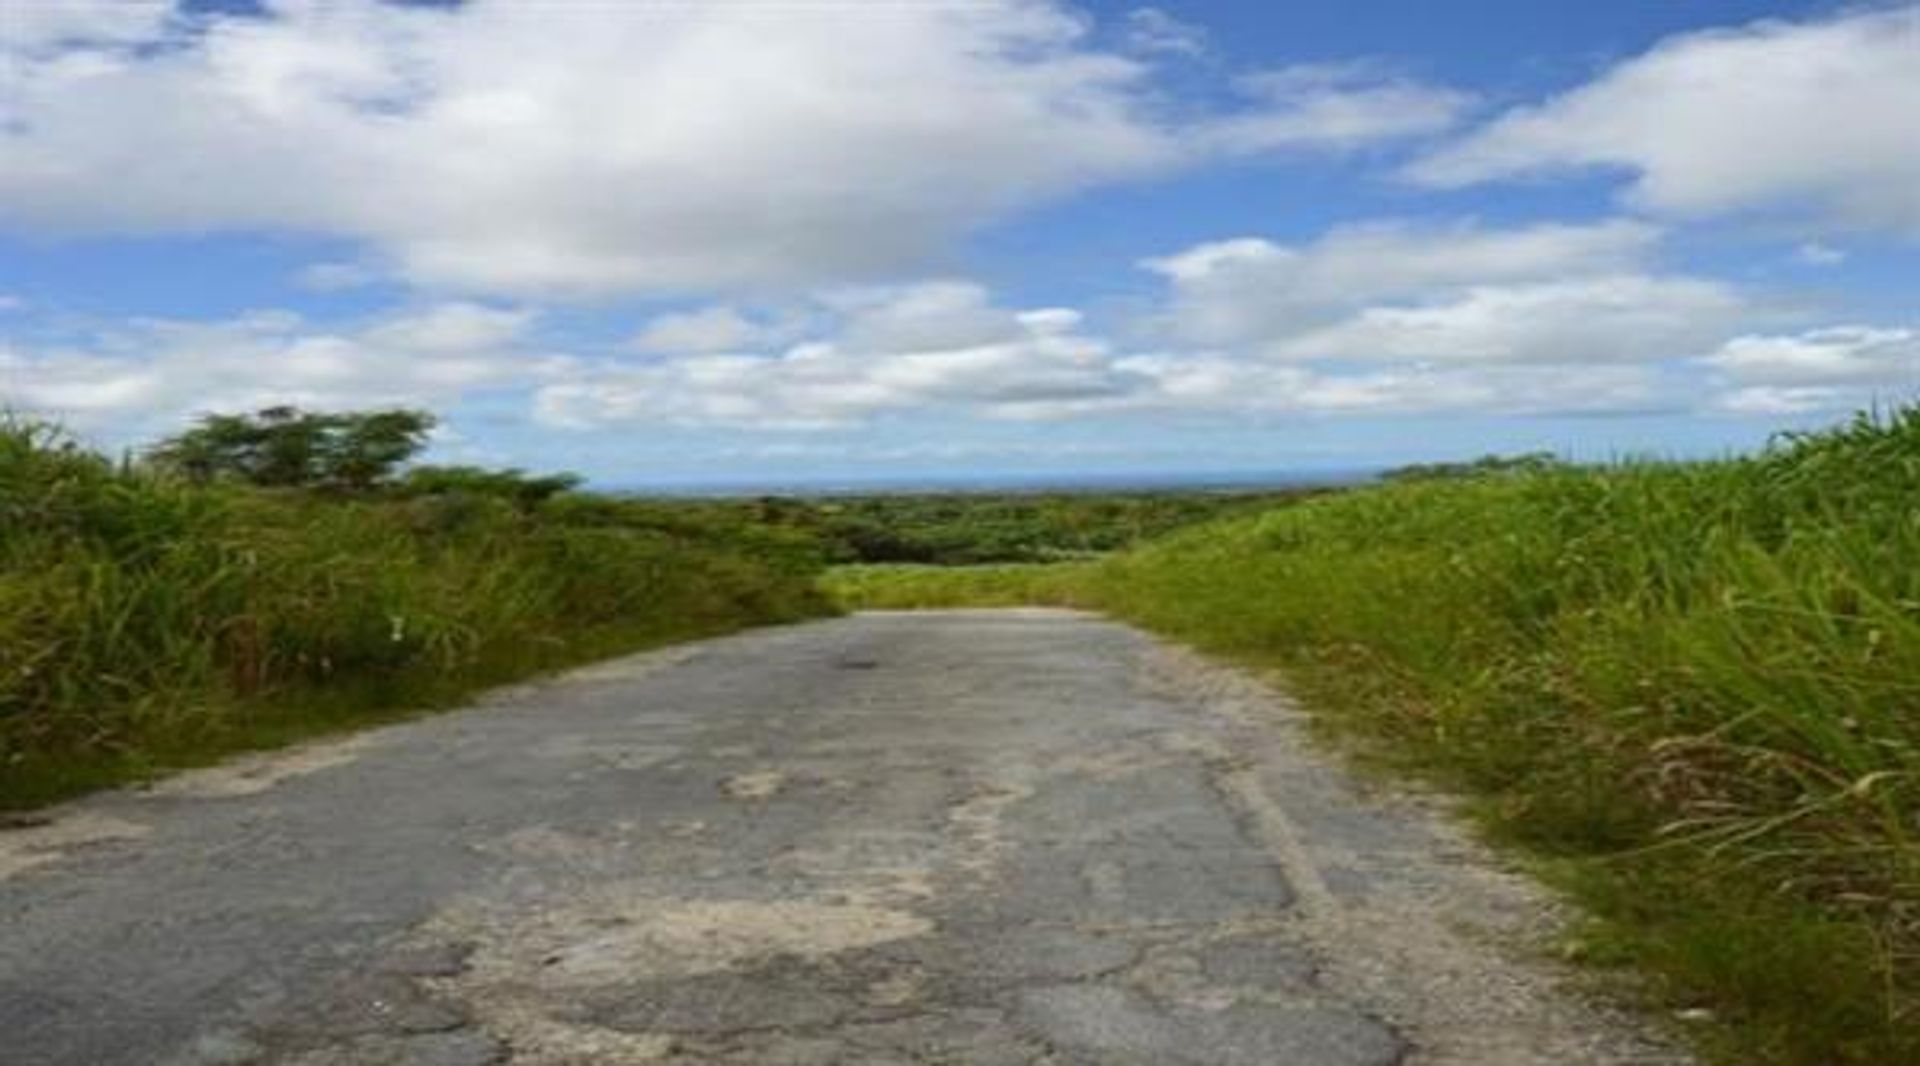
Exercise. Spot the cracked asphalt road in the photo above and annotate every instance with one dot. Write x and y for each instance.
(987, 837)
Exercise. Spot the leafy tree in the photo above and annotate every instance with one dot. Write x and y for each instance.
(288, 447)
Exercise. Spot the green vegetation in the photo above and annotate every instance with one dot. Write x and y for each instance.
(152, 619)
(526, 491)
(262, 577)
(290, 448)
(1691, 690)
(909, 586)
(956, 530)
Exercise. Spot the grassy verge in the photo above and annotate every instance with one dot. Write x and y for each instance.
(1692, 691)
(910, 586)
(147, 623)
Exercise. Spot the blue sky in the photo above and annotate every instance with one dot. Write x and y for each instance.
(667, 244)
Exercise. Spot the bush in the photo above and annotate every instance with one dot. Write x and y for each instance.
(1700, 677)
(146, 620)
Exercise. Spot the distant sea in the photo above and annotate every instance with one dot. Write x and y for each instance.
(994, 484)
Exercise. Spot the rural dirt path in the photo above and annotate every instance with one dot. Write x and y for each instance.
(975, 837)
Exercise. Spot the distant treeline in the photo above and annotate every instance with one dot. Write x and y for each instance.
(961, 529)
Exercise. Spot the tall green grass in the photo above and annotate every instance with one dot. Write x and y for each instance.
(146, 622)
(914, 586)
(1692, 689)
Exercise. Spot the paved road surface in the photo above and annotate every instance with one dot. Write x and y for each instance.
(1015, 837)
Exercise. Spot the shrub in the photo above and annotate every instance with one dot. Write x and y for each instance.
(148, 620)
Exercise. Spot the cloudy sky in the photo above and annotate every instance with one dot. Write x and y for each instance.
(783, 240)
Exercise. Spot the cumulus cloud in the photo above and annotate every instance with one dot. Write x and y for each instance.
(708, 329)
(1550, 293)
(1212, 385)
(147, 376)
(1814, 117)
(596, 149)
(1370, 319)
(1606, 319)
(1850, 354)
(927, 317)
(1835, 368)
(1371, 260)
(935, 345)
(1776, 400)
(451, 329)
(1380, 319)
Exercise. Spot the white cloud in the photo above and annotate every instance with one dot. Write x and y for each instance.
(334, 277)
(1333, 107)
(1154, 32)
(594, 149)
(1366, 319)
(707, 329)
(927, 317)
(1834, 369)
(1363, 262)
(1607, 319)
(1379, 319)
(1460, 291)
(1860, 358)
(1777, 400)
(1213, 385)
(936, 345)
(1595, 340)
(149, 375)
(1812, 117)
(1434, 317)
(452, 328)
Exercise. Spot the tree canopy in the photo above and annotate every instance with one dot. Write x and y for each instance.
(292, 448)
